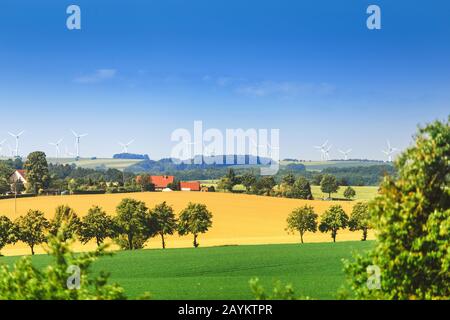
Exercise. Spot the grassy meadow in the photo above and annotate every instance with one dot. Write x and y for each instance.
(363, 193)
(314, 269)
(238, 219)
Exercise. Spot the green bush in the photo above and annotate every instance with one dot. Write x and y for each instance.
(25, 282)
(412, 220)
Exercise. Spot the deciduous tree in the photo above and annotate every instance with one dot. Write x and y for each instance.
(38, 176)
(32, 228)
(194, 219)
(131, 221)
(302, 220)
(412, 221)
(360, 219)
(349, 193)
(332, 220)
(8, 232)
(329, 184)
(164, 220)
(96, 224)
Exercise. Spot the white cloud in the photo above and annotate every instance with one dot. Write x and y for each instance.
(98, 76)
(286, 88)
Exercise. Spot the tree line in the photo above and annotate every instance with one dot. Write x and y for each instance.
(288, 186)
(305, 219)
(130, 228)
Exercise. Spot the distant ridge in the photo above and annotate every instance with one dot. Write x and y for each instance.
(131, 156)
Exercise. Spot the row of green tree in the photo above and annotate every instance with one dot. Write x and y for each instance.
(304, 219)
(289, 185)
(132, 226)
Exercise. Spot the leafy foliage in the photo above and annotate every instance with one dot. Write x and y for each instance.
(360, 219)
(329, 184)
(26, 282)
(32, 228)
(332, 220)
(349, 193)
(96, 225)
(164, 220)
(65, 215)
(302, 220)
(132, 222)
(412, 219)
(8, 232)
(38, 176)
(194, 219)
(279, 291)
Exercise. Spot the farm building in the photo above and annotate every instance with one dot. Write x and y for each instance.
(160, 182)
(190, 186)
(18, 176)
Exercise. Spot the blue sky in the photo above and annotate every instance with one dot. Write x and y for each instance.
(141, 69)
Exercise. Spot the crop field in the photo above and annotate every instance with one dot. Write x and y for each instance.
(314, 269)
(238, 219)
(119, 164)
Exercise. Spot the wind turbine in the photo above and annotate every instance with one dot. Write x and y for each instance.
(16, 136)
(390, 151)
(345, 153)
(126, 145)
(1, 146)
(77, 142)
(323, 151)
(56, 145)
(327, 154)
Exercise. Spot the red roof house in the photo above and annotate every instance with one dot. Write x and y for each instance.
(190, 186)
(19, 176)
(161, 182)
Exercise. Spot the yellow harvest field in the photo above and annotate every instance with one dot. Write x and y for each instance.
(237, 218)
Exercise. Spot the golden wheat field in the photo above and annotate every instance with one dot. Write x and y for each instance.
(237, 218)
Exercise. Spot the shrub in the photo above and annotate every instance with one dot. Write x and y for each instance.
(412, 219)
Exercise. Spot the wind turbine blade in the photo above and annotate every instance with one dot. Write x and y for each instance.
(12, 134)
(349, 150)
(74, 133)
(83, 135)
(21, 133)
(130, 142)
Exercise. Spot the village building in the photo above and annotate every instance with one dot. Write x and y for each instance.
(19, 176)
(190, 186)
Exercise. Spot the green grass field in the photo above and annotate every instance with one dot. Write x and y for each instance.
(314, 269)
(365, 193)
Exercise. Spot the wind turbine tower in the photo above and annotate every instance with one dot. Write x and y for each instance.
(77, 142)
(345, 153)
(390, 151)
(17, 137)
(56, 145)
(323, 150)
